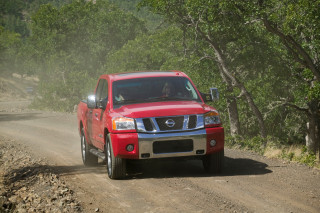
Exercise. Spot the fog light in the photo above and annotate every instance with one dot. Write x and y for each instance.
(213, 143)
(130, 148)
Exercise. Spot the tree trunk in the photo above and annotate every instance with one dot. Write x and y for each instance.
(232, 108)
(300, 55)
(313, 128)
(224, 71)
(255, 110)
(233, 116)
(235, 83)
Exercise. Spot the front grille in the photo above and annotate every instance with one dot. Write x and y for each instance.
(192, 122)
(147, 124)
(178, 123)
(168, 124)
(174, 146)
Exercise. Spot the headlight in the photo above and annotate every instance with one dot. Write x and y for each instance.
(212, 118)
(123, 123)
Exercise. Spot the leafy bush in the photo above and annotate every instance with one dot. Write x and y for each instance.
(257, 144)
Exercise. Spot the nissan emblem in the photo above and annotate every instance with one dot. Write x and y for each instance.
(170, 123)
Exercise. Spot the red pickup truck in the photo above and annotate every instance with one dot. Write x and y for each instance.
(146, 115)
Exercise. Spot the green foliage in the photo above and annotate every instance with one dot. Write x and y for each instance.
(314, 92)
(75, 41)
(257, 145)
(11, 16)
(58, 96)
(304, 157)
(153, 21)
(8, 39)
(299, 22)
(251, 143)
(146, 52)
(9, 46)
(269, 71)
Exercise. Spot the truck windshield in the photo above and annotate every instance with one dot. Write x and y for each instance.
(144, 90)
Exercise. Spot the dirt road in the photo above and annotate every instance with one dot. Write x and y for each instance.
(249, 183)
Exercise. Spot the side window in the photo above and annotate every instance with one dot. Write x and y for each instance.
(99, 88)
(102, 93)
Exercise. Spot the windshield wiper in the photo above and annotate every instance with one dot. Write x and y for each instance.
(151, 99)
(128, 101)
(169, 98)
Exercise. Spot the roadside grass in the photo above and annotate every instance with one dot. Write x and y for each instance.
(274, 149)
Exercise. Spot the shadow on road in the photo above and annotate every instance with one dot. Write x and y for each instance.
(19, 117)
(147, 169)
(244, 166)
(28, 172)
(194, 168)
(30, 175)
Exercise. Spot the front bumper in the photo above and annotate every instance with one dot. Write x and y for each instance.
(191, 143)
(163, 145)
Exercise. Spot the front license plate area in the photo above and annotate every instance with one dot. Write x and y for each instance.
(172, 146)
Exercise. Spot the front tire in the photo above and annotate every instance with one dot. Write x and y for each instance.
(116, 166)
(88, 158)
(213, 163)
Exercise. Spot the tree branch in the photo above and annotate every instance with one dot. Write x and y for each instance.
(285, 103)
(294, 48)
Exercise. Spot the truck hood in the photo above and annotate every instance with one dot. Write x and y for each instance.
(159, 109)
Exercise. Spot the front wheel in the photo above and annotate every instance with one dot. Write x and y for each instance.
(88, 158)
(213, 163)
(116, 166)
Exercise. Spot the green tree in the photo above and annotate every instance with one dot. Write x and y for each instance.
(215, 23)
(173, 49)
(296, 25)
(71, 45)
(231, 28)
(9, 46)
(12, 18)
(153, 21)
(147, 52)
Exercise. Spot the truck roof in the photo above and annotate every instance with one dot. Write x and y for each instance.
(142, 74)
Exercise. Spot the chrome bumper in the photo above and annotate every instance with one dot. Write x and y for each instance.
(146, 141)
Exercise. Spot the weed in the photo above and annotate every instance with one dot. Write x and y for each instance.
(260, 145)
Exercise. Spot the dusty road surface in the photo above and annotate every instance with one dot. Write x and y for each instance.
(249, 183)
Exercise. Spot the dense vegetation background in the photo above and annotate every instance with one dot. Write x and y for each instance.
(263, 55)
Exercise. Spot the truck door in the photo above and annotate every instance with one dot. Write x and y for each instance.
(97, 114)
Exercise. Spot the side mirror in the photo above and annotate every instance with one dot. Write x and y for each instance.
(91, 102)
(214, 94)
(103, 103)
(206, 97)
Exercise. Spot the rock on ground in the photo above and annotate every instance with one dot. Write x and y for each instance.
(28, 184)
